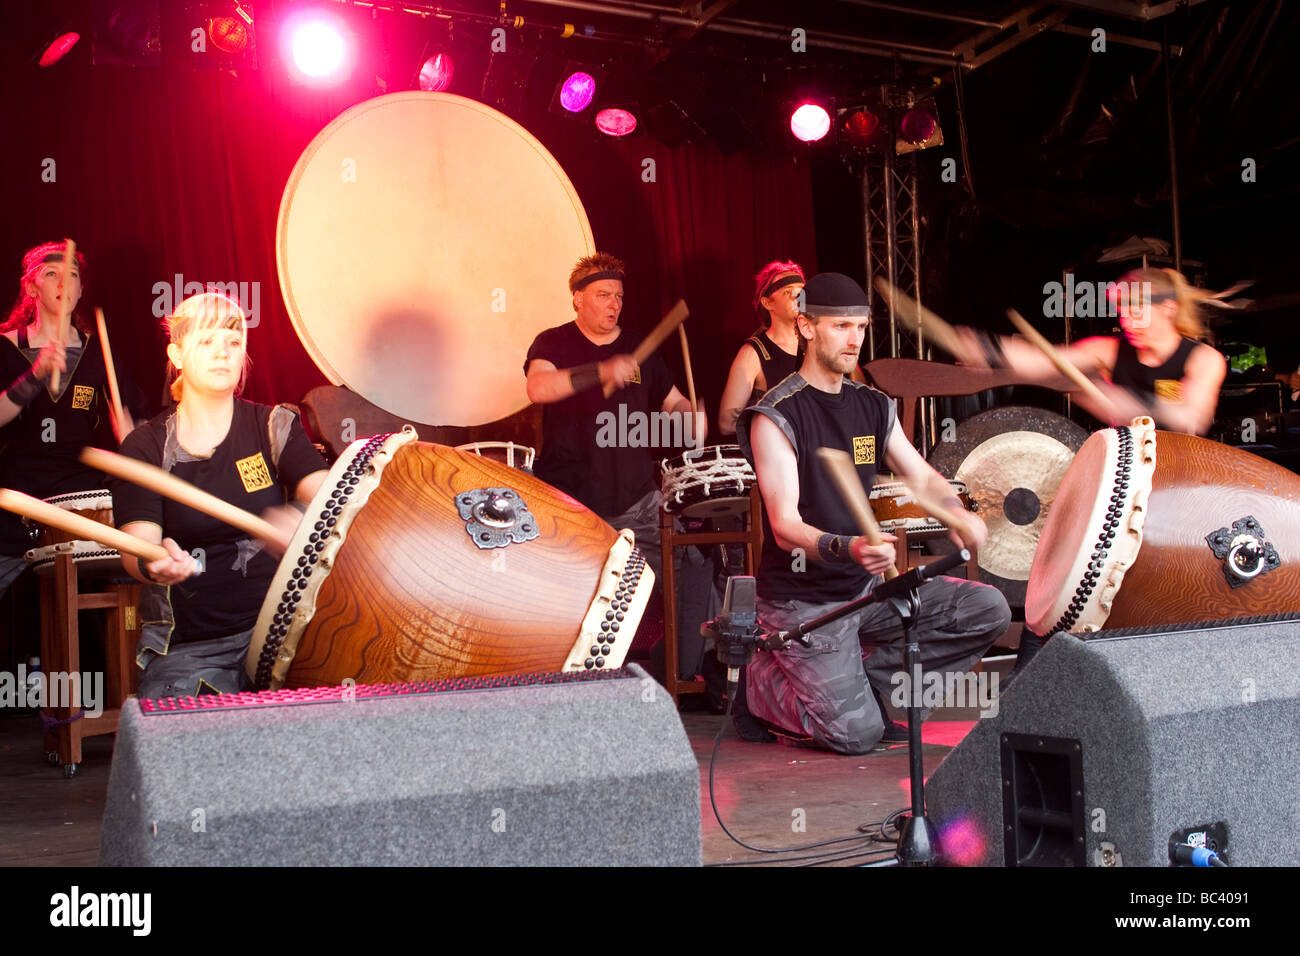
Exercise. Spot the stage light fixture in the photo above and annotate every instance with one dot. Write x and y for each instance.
(576, 90)
(58, 48)
(127, 33)
(615, 121)
(918, 129)
(231, 34)
(319, 47)
(436, 72)
(862, 128)
(810, 122)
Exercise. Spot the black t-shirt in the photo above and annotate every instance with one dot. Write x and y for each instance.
(226, 598)
(39, 449)
(1164, 381)
(857, 420)
(604, 451)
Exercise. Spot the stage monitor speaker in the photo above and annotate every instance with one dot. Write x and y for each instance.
(550, 770)
(1106, 750)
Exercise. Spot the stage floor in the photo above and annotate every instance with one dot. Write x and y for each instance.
(770, 795)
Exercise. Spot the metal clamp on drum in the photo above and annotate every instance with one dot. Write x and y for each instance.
(1244, 550)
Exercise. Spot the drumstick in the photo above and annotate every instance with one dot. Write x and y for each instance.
(1066, 368)
(675, 317)
(917, 317)
(115, 409)
(79, 525)
(69, 256)
(839, 466)
(155, 479)
(686, 357)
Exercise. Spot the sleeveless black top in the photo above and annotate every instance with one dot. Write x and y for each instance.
(1163, 381)
(775, 362)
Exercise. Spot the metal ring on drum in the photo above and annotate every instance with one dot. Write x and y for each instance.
(1146, 528)
(1013, 460)
(418, 562)
(709, 482)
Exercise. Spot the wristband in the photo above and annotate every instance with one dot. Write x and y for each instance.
(144, 571)
(584, 377)
(24, 388)
(834, 548)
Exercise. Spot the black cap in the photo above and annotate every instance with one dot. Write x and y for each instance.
(834, 293)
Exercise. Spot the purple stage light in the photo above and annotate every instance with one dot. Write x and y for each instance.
(810, 122)
(577, 92)
(917, 126)
(615, 122)
(436, 74)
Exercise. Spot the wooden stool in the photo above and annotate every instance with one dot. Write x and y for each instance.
(61, 599)
(750, 536)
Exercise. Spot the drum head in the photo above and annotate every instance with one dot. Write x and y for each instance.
(1062, 544)
(423, 241)
(1013, 460)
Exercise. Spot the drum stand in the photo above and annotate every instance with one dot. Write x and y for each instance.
(61, 599)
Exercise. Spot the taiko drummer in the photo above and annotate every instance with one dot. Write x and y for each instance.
(255, 457)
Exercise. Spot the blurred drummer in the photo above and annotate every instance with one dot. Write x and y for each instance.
(42, 432)
(1160, 366)
(253, 456)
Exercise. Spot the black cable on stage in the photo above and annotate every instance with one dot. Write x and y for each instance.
(717, 815)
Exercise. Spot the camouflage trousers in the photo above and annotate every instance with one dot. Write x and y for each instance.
(821, 692)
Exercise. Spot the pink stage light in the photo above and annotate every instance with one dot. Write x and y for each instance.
(615, 122)
(917, 126)
(436, 74)
(59, 48)
(577, 92)
(318, 48)
(810, 122)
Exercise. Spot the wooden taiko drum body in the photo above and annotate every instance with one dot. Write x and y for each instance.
(419, 562)
(1154, 527)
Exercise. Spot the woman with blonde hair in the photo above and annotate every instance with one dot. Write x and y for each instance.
(43, 431)
(1162, 365)
(255, 457)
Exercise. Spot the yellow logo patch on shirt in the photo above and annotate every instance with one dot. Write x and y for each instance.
(82, 396)
(254, 473)
(864, 450)
(1169, 389)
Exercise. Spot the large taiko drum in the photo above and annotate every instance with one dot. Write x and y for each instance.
(418, 562)
(1154, 527)
(91, 557)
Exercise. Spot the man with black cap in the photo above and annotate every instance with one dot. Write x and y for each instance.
(813, 560)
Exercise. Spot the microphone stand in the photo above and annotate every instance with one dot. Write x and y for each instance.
(918, 843)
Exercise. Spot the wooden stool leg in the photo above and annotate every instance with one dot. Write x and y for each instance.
(67, 637)
(666, 544)
(123, 633)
